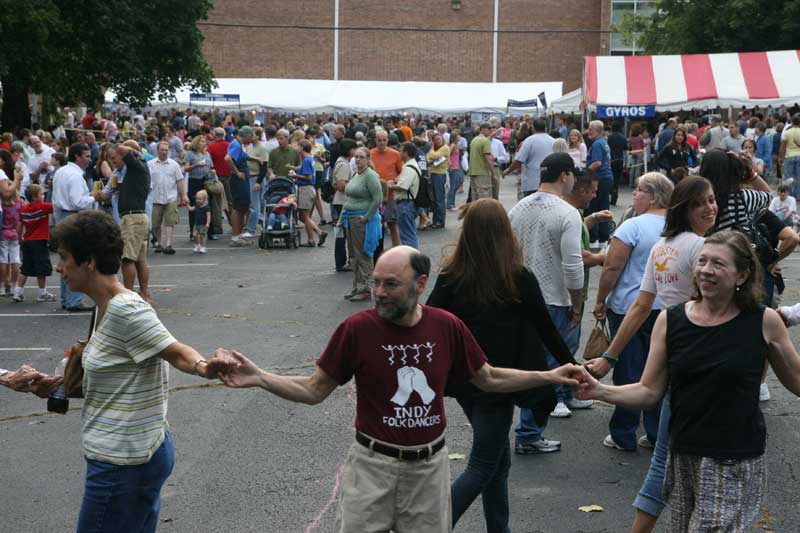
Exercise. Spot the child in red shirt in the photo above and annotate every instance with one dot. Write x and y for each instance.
(35, 254)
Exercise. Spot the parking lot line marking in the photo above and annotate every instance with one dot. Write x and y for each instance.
(183, 265)
(32, 287)
(25, 349)
(43, 314)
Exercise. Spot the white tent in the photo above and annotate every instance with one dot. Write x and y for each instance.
(570, 103)
(328, 96)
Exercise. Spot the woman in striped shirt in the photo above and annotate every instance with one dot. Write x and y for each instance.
(125, 435)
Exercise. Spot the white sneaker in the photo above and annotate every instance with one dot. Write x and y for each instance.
(572, 403)
(269, 228)
(763, 393)
(611, 443)
(202, 250)
(644, 442)
(247, 235)
(18, 297)
(561, 411)
(196, 249)
(46, 297)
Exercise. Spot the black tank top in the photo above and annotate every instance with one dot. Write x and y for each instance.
(715, 373)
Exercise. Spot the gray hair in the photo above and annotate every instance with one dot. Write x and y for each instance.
(560, 146)
(282, 132)
(597, 125)
(659, 186)
(339, 128)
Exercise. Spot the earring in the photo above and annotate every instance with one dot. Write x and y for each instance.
(738, 288)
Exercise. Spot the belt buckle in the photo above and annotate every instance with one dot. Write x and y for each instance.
(419, 453)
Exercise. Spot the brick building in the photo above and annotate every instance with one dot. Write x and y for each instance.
(425, 40)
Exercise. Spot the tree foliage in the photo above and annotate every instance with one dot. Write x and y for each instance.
(73, 51)
(714, 26)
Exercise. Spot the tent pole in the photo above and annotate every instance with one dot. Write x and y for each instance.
(494, 40)
(335, 39)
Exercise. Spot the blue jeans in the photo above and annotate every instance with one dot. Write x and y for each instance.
(528, 430)
(456, 181)
(276, 221)
(407, 223)
(438, 181)
(624, 422)
(791, 169)
(489, 461)
(69, 299)
(600, 232)
(125, 498)
(255, 207)
(340, 247)
(651, 496)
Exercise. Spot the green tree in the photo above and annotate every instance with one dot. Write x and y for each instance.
(713, 26)
(73, 51)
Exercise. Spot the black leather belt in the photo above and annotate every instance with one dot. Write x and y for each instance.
(397, 453)
(132, 213)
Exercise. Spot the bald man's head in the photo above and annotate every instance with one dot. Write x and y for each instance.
(400, 278)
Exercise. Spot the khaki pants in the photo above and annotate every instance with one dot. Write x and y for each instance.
(360, 262)
(380, 493)
(481, 187)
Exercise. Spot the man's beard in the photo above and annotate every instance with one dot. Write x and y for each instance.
(400, 308)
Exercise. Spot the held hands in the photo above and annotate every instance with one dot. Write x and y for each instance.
(222, 361)
(570, 374)
(27, 379)
(244, 373)
(604, 216)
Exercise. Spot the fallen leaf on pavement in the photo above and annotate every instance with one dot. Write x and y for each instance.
(591, 509)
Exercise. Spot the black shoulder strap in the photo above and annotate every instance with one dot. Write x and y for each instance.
(419, 176)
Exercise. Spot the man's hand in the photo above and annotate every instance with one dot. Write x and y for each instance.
(575, 316)
(27, 379)
(244, 374)
(604, 216)
(221, 362)
(45, 385)
(589, 388)
(257, 187)
(599, 311)
(569, 374)
(598, 367)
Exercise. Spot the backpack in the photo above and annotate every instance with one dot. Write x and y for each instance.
(759, 238)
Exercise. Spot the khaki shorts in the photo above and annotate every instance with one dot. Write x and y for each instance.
(134, 229)
(306, 197)
(481, 187)
(380, 493)
(165, 214)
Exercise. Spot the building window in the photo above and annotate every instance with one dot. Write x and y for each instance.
(618, 9)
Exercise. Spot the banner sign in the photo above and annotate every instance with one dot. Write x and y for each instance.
(543, 99)
(523, 103)
(625, 111)
(214, 97)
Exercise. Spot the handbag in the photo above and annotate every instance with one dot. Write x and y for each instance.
(73, 372)
(599, 341)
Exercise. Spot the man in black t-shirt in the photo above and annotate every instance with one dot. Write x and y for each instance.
(134, 224)
(617, 143)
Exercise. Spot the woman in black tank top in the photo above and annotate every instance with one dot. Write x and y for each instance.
(712, 351)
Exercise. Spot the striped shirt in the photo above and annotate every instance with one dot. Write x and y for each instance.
(741, 207)
(125, 383)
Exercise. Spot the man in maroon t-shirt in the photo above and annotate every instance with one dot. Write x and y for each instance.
(402, 354)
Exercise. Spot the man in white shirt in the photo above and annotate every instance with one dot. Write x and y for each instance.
(530, 156)
(39, 163)
(167, 181)
(405, 189)
(549, 232)
(716, 133)
(71, 195)
(501, 157)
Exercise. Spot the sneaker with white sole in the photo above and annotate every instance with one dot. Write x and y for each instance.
(246, 235)
(46, 297)
(763, 393)
(18, 297)
(202, 250)
(540, 446)
(644, 442)
(609, 442)
(572, 403)
(561, 411)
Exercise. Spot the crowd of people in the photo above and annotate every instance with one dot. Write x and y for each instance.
(687, 276)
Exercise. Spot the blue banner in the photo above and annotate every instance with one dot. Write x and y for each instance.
(213, 97)
(523, 103)
(626, 111)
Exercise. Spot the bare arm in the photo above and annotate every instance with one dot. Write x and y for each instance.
(489, 159)
(647, 392)
(788, 241)
(616, 257)
(513, 167)
(782, 355)
(232, 166)
(188, 360)
(493, 379)
(592, 260)
(311, 389)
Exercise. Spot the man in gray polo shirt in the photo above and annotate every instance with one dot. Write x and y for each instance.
(530, 156)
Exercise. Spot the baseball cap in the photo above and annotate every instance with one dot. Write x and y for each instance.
(418, 130)
(554, 164)
(256, 123)
(245, 130)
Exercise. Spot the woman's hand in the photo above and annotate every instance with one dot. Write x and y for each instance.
(589, 388)
(598, 367)
(244, 374)
(599, 311)
(603, 216)
(222, 361)
(569, 374)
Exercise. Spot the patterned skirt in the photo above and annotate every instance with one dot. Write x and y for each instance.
(707, 494)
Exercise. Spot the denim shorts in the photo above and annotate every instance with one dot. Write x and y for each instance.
(125, 498)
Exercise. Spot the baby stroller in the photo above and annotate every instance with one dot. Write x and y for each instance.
(277, 189)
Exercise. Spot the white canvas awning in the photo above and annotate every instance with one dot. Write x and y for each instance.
(570, 103)
(328, 96)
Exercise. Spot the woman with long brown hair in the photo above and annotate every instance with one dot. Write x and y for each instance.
(485, 283)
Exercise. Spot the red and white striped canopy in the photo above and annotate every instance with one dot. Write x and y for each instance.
(674, 82)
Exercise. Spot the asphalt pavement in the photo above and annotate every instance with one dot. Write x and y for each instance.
(248, 461)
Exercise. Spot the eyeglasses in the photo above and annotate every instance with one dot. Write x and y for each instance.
(389, 284)
(361, 157)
